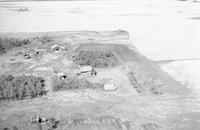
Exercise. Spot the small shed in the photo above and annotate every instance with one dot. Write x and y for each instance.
(61, 75)
(85, 69)
(110, 87)
(27, 56)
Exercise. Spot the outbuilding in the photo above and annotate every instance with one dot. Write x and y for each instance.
(110, 87)
(87, 69)
(61, 75)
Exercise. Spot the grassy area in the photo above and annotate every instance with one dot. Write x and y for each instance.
(73, 83)
(21, 87)
(96, 58)
(9, 43)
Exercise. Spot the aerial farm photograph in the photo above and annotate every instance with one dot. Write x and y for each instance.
(99, 64)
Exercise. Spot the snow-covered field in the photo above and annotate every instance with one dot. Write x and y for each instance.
(186, 72)
(160, 29)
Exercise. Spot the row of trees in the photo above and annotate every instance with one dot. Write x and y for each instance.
(20, 87)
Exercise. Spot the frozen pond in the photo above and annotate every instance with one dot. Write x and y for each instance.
(160, 29)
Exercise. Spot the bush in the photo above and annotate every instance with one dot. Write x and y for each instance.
(21, 87)
(73, 83)
(9, 43)
(96, 58)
